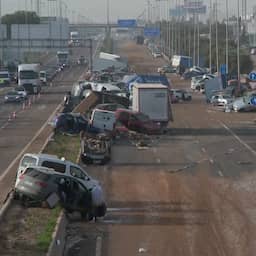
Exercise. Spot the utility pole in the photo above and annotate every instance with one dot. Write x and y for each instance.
(238, 45)
(227, 44)
(217, 39)
(210, 38)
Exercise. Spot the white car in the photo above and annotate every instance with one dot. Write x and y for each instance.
(62, 166)
(21, 91)
(221, 100)
(157, 54)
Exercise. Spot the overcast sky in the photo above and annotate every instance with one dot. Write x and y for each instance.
(96, 9)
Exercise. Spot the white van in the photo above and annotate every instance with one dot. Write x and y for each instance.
(61, 166)
(103, 119)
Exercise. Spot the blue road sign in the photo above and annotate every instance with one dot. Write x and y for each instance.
(253, 101)
(152, 32)
(127, 23)
(252, 76)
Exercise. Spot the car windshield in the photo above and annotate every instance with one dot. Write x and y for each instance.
(28, 74)
(28, 160)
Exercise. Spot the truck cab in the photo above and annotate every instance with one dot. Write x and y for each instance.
(28, 77)
(63, 59)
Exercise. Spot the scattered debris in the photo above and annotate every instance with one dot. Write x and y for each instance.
(142, 250)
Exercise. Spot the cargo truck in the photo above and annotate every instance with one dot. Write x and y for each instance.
(28, 77)
(154, 101)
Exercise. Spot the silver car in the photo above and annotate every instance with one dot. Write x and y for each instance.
(246, 103)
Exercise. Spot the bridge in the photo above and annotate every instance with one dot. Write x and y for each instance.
(78, 26)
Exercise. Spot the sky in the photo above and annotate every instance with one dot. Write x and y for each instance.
(95, 10)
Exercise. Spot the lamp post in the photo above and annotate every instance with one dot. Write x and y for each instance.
(227, 45)
(238, 45)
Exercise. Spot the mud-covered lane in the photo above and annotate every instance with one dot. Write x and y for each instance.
(189, 192)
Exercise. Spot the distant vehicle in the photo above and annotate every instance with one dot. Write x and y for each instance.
(21, 90)
(5, 78)
(28, 77)
(61, 166)
(137, 121)
(246, 103)
(222, 100)
(166, 69)
(211, 87)
(198, 82)
(63, 59)
(82, 60)
(181, 94)
(181, 62)
(189, 74)
(43, 77)
(253, 51)
(74, 38)
(140, 40)
(157, 54)
(152, 100)
(13, 96)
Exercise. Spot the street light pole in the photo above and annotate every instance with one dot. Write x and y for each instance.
(217, 39)
(227, 45)
(238, 45)
(210, 38)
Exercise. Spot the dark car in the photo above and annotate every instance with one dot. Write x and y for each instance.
(190, 74)
(137, 121)
(72, 123)
(13, 96)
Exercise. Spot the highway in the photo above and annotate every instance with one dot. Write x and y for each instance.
(189, 192)
(18, 132)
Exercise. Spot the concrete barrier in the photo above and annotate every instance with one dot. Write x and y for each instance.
(57, 245)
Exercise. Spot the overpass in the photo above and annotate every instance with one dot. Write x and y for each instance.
(99, 25)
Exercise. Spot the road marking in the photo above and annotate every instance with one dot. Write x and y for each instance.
(220, 173)
(238, 139)
(204, 150)
(98, 246)
(29, 144)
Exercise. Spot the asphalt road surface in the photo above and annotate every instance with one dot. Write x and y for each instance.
(19, 125)
(189, 192)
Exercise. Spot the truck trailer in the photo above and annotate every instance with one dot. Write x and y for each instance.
(154, 101)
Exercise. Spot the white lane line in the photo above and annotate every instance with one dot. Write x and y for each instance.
(220, 173)
(204, 150)
(98, 250)
(29, 144)
(238, 139)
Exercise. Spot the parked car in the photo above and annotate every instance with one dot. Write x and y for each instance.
(189, 74)
(13, 96)
(157, 54)
(222, 100)
(62, 166)
(181, 94)
(137, 121)
(82, 60)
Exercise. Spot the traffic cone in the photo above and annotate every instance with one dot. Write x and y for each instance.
(10, 118)
(14, 115)
(34, 98)
(39, 95)
(23, 106)
(29, 103)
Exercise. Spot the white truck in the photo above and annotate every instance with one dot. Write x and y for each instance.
(152, 100)
(63, 58)
(28, 77)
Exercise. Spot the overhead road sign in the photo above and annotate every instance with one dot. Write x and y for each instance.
(131, 23)
(151, 32)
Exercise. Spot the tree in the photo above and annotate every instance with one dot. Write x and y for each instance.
(21, 17)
